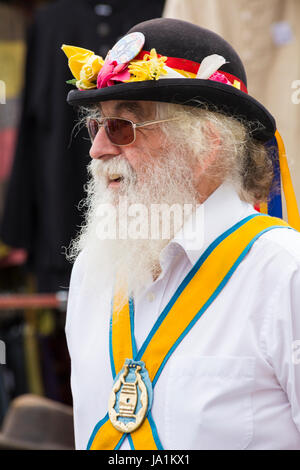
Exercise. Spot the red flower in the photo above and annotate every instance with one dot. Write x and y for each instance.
(219, 77)
(112, 72)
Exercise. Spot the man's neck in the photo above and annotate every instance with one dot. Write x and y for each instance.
(206, 187)
(156, 272)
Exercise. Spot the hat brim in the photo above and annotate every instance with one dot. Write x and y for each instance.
(190, 92)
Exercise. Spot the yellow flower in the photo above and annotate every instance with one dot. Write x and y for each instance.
(85, 85)
(72, 50)
(84, 65)
(150, 68)
(91, 69)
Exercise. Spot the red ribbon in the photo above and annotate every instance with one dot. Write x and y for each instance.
(193, 67)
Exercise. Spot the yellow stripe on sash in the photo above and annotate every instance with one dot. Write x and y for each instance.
(263, 207)
(107, 437)
(289, 193)
(121, 328)
(143, 438)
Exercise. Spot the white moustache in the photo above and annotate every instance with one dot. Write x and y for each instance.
(116, 167)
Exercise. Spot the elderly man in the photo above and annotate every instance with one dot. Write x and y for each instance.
(187, 339)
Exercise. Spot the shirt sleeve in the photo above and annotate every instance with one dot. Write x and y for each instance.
(76, 279)
(283, 335)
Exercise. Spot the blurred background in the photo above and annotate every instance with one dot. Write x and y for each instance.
(43, 171)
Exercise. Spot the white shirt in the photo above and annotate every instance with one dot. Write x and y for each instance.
(234, 380)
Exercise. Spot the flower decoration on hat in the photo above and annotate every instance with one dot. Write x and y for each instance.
(150, 68)
(127, 62)
(111, 73)
(84, 65)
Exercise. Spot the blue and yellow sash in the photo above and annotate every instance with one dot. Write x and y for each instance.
(212, 272)
(282, 177)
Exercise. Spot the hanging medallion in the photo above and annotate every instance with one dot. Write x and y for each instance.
(131, 397)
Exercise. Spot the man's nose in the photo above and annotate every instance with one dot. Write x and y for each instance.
(102, 147)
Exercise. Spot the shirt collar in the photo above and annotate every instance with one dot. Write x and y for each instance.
(221, 210)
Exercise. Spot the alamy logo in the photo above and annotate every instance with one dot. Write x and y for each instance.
(2, 92)
(296, 94)
(2, 352)
(157, 222)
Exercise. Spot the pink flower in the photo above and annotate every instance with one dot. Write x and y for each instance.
(219, 77)
(112, 72)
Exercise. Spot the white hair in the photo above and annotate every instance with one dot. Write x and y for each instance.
(241, 159)
(187, 142)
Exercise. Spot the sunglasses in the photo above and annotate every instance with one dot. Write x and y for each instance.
(120, 131)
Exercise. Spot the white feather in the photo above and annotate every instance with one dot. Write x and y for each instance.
(171, 73)
(210, 65)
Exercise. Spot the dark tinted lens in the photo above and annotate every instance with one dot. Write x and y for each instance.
(119, 131)
(93, 128)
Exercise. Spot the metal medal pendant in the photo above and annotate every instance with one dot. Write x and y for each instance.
(131, 397)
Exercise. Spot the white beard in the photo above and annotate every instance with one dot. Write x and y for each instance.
(167, 179)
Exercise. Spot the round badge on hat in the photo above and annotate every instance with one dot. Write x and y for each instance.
(127, 48)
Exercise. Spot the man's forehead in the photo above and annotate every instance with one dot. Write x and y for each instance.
(140, 109)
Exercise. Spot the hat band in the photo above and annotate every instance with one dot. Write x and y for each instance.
(91, 71)
(189, 69)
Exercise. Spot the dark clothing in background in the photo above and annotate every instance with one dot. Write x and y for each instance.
(14, 370)
(4, 400)
(37, 359)
(49, 169)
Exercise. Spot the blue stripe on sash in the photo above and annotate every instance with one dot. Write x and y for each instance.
(111, 355)
(275, 202)
(121, 441)
(131, 313)
(154, 432)
(96, 429)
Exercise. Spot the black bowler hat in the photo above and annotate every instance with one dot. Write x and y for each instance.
(186, 46)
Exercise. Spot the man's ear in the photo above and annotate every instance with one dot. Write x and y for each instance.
(207, 180)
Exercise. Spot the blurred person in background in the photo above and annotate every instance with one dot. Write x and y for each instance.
(184, 341)
(266, 35)
(49, 165)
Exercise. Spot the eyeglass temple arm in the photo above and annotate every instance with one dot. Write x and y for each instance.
(148, 123)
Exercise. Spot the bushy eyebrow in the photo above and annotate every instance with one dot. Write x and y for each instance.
(132, 106)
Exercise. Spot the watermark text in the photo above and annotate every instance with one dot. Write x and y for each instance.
(2, 92)
(296, 352)
(2, 352)
(156, 222)
(296, 94)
